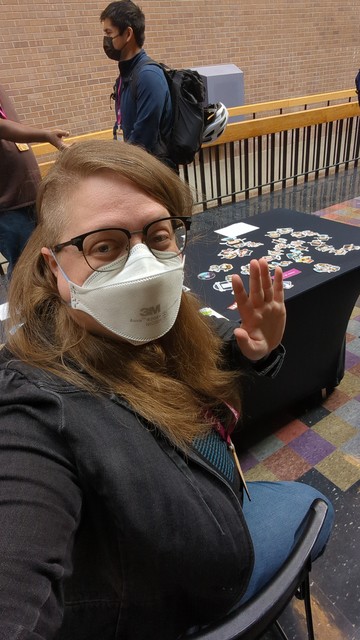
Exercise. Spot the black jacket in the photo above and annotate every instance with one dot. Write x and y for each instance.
(100, 513)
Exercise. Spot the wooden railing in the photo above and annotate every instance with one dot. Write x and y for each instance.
(294, 141)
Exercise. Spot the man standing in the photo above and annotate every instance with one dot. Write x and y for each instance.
(142, 97)
(19, 178)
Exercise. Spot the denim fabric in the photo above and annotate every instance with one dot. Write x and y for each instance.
(16, 226)
(282, 507)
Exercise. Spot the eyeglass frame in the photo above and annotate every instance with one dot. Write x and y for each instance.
(78, 241)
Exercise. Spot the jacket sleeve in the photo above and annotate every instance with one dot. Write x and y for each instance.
(268, 366)
(40, 504)
(151, 96)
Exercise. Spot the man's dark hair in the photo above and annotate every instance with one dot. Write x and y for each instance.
(124, 14)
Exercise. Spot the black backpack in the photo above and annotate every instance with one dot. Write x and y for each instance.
(187, 91)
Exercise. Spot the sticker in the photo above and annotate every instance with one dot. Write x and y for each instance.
(225, 285)
(207, 311)
(22, 146)
(230, 254)
(290, 273)
(206, 275)
(254, 244)
(285, 230)
(245, 269)
(238, 242)
(298, 234)
(221, 267)
(305, 259)
(242, 253)
(322, 267)
(287, 284)
(273, 234)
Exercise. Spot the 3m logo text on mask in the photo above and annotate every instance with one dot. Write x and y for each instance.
(150, 311)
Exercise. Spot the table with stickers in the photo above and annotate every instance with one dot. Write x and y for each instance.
(321, 265)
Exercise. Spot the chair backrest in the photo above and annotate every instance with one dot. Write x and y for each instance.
(257, 614)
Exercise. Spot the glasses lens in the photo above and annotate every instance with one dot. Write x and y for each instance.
(102, 248)
(167, 235)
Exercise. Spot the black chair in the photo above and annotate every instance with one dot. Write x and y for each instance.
(260, 613)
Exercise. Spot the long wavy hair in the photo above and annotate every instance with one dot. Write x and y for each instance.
(170, 382)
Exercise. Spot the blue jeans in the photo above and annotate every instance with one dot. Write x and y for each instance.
(16, 226)
(275, 517)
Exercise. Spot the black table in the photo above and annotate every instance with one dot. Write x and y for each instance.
(319, 302)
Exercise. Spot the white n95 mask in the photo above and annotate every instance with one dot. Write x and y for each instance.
(139, 302)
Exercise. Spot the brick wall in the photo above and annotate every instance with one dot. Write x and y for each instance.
(53, 65)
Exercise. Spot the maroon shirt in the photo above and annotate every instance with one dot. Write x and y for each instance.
(19, 171)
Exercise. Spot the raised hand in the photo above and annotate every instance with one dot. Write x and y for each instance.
(262, 311)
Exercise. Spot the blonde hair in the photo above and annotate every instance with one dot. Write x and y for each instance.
(170, 382)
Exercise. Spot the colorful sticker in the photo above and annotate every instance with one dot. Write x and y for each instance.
(206, 275)
(230, 254)
(208, 311)
(322, 267)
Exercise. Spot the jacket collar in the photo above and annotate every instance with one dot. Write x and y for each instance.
(126, 67)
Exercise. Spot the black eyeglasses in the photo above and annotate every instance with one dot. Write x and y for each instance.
(165, 238)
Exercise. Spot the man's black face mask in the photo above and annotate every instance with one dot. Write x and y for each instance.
(111, 52)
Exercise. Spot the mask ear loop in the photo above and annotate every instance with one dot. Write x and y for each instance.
(60, 267)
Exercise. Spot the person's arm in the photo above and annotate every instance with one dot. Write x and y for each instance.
(18, 132)
(152, 91)
(40, 505)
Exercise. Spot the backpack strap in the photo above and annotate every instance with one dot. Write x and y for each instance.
(133, 79)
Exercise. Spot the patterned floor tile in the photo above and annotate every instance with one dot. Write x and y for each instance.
(313, 415)
(336, 399)
(355, 312)
(349, 337)
(266, 447)
(341, 469)
(247, 461)
(352, 447)
(354, 346)
(312, 447)
(286, 464)
(350, 384)
(335, 430)
(354, 327)
(351, 359)
(292, 430)
(355, 370)
(350, 412)
(261, 472)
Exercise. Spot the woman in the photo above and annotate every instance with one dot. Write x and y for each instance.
(121, 504)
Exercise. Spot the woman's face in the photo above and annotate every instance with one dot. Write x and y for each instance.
(100, 201)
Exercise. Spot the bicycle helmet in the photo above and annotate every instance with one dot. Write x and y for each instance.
(215, 121)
